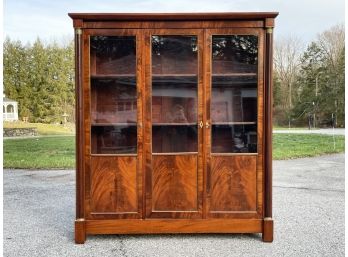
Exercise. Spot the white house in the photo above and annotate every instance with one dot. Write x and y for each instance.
(10, 109)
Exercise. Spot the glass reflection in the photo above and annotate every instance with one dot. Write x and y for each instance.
(174, 100)
(234, 53)
(114, 100)
(234, 94)
(234, 99)
(113, 54)
(113, 95)
(174, 55)
(173, 139)
(234, 139)
(114, 139)
(174, 94)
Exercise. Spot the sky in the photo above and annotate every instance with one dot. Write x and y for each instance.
(26, 20)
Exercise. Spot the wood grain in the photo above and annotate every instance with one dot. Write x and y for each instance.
(174, 183)
(114, 185)
(185, 193)
(80, 182)
(260, 122)
(260, 115)
(80, 231)
(233, 184)
(268, 125)
(152, 226)
(267, 234)
(211, 16)
(172, 24)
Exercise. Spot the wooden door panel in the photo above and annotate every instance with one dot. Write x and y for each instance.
(113, 127)
(233, 143)
(114, 185)
(233, 184)
(174, 183)
(173, 137)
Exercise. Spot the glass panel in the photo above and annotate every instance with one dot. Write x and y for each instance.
(113, 95)
(234, 93)
(176, 138)
(174, 55)
(234, 99)
(174, 100)
(114, 100)
(114, 139)
(234, 139)
(112, 55)
(234, 54)
(174, 94)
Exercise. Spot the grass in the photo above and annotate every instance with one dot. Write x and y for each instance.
(40, 153)
(292, 128)
(291, 146)
(59, 152)
(42, 128)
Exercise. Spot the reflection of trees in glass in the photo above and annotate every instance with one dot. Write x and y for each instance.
(114, 47)
(174, 45)
(242, 48)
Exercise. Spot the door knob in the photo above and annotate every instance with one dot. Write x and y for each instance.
(207, 124)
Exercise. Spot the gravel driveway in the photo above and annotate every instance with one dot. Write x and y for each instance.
(308, 212)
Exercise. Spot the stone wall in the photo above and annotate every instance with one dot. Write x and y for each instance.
(19, 132)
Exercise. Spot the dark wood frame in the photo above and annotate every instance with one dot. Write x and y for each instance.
(142, 25)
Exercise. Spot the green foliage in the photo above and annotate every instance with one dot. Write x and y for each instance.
(41, 78)
(319, 84)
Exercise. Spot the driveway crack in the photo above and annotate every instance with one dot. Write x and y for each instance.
(312, 189)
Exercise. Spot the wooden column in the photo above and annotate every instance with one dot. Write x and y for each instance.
(268, 221)
(80, 234)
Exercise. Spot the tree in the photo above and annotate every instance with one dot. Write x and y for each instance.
(287, 56)
(41, 78)
(16, 74)
(321, 80)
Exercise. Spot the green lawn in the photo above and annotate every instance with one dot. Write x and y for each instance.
(291, 146)
(40, 152)
(58, 152)
(43, 128)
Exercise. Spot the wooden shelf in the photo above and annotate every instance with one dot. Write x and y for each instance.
(174, 75)
(235, 123)
(232, 154)
(175, 124)
(234, 74)
(112, 76)
(175, 153)
(112, 124)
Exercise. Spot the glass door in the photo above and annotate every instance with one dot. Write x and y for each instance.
(113, 95)
(234, 88)
(114, 115)
(176, 124)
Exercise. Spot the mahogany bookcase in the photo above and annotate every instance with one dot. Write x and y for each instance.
(174, 123)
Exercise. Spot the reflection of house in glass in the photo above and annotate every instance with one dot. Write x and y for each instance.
(234, 99)
(9, 109)
(114, 100)
(174, 100)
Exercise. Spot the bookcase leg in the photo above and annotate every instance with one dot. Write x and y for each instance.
(267, 235)
(80, 231)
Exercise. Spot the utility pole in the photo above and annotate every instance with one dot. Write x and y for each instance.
(316, 96)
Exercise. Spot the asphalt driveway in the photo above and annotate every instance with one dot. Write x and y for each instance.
(308, 211)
